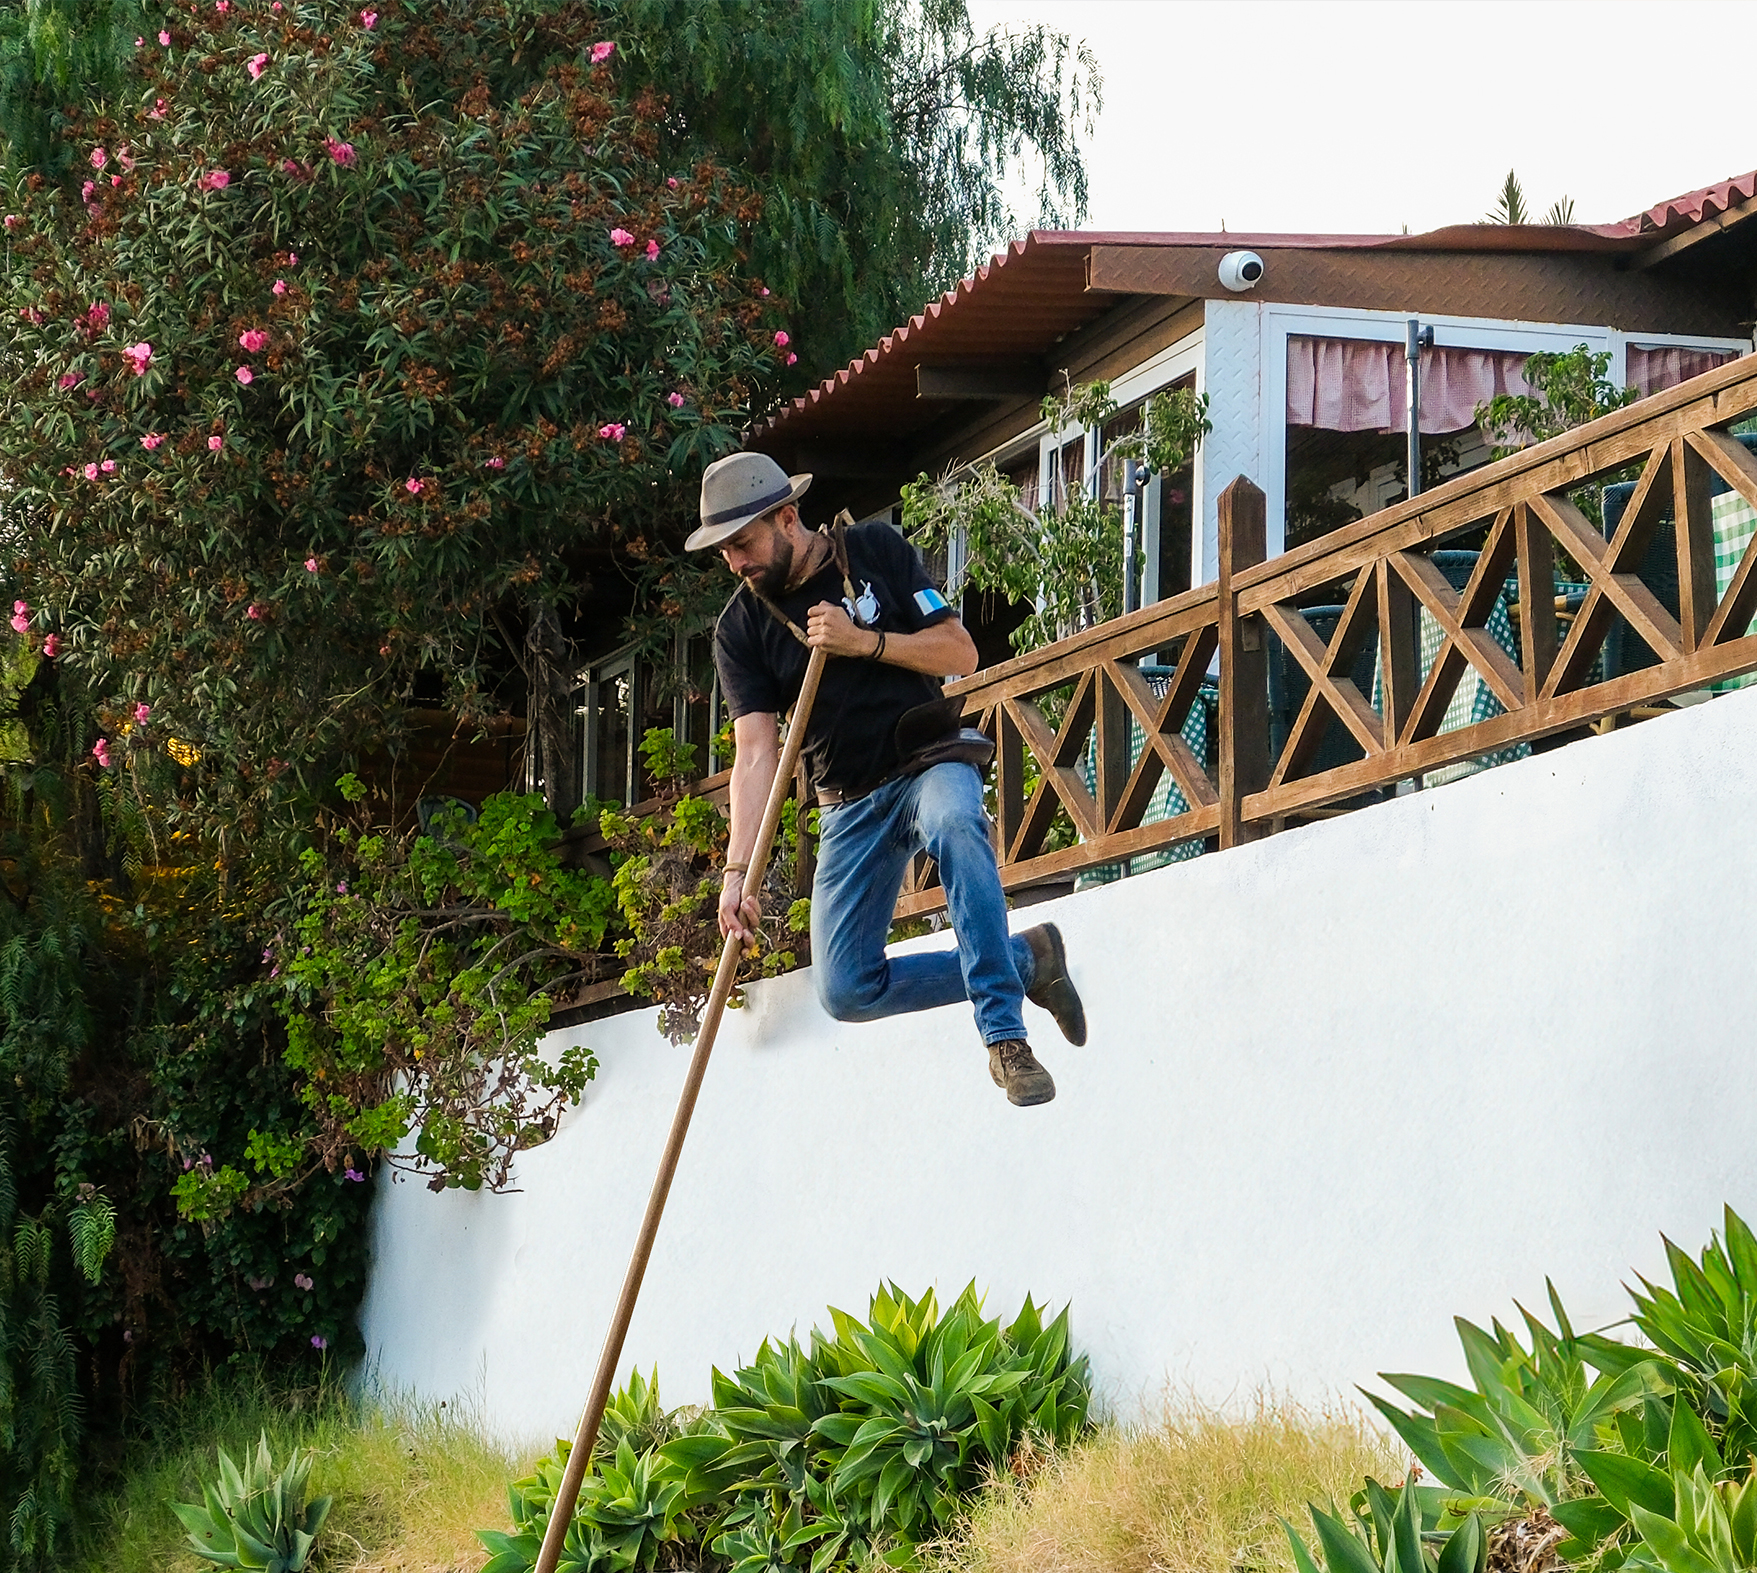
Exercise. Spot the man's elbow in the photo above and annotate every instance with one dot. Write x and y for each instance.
(963, 657)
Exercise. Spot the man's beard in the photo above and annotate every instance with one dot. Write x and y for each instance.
(770, 582)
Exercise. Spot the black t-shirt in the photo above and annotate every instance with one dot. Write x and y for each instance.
(849, 743)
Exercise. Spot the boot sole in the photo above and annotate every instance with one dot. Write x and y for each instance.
(1071, 1018)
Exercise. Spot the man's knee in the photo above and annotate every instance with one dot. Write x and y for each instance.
(847, 998)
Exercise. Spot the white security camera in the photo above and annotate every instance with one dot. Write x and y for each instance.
(1240, 270)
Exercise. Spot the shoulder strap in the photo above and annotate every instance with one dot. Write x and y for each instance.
(837, 532)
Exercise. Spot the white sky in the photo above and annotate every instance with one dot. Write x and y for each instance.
(1340, 117)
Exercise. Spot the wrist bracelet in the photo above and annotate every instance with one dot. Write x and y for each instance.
(879, 653)
(736, 868)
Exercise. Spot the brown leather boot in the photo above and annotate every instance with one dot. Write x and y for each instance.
(1052, 988)
(1015, 1067)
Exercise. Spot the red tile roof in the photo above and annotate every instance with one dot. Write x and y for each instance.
(1034, 293)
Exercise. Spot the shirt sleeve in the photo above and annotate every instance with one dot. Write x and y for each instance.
(747, 686)
(917, 601)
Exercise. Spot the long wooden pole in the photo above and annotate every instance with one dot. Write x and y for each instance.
(561, 1513)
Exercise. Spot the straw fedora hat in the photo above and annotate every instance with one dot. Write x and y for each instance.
(739, 488)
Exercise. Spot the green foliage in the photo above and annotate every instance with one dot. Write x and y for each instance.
(1067, 561)
(53, 53)
(255, 1518)
(457, 372)
(1404, 1530)
(1571, 390)
(1707, 1324)
(1510, 206)
(418, 974)
(667, 889)
(1515, 1437)
(1711, 1527)
(860, 1448)
(881, 136)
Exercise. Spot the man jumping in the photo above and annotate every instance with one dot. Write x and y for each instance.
(883, 797)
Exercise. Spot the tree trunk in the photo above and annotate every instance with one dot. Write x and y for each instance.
(552, 737)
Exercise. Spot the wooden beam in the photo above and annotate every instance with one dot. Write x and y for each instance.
(1244, 665)
(991, 383)
(1694, 236)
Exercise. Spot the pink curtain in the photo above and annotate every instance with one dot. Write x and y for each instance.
(1665, 366)
(1357, 385)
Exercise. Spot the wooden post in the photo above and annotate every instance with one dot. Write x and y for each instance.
(1244, 667)
(579, 1460)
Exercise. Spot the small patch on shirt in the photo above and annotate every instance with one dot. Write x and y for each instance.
(930, 601)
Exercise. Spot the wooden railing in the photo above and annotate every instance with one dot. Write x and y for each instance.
(1072, 703)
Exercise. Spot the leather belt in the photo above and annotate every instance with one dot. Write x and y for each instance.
(830, 797)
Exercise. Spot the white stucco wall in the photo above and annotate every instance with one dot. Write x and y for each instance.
(1341, 1085)
(1232, 377)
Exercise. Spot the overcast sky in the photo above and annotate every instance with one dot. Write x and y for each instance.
(1338, 117)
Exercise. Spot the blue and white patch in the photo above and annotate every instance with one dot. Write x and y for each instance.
(930, 601)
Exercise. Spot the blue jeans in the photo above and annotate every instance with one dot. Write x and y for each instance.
(863, 853)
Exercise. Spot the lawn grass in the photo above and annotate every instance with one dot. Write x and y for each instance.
(412, 1482)
(1200, 1492)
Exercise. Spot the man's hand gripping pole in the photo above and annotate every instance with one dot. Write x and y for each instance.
(561, 1513)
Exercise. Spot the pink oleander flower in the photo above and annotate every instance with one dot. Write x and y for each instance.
(91, 472)
(342, 152)
(214, 180)
(279, 288)
(791, 357)
(675, 400)
(222, 6)
(253, 339)
(99, 158)
(341, 887)
(151, 440)
(652, 251)
(245, 375)
(296, 168)
(21, 617)
(115, 180)
(11, 221)
(107, 466)
(782, 338)
(318, 1341)
(97, 317)
(69, 379)
(276, 7)
(496, 463)
(412, 486)
(164, 43)
(302, 1281)
(311, 565)
(140, 43)
(253, 612)
(369, 20)
(765, 290)
(141, 712)
(602, 52)
(125, 158)
(671, 181)
(256, 65)
(612, 431)
(292, 259)
(215, 443)
(52, 645)
(85, 191)
(101, 753)
(31, 315)
(140, 356)
(621, 237)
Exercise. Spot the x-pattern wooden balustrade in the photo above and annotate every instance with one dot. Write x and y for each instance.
(1047, 710)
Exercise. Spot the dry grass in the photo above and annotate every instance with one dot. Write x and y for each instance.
(412, 1483)
(1198, 1493)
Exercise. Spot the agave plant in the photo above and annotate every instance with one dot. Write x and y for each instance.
(1394, 1531)
(1711, 1528)
(254, 1518)
(1707, 1325)
(1512, 1442)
